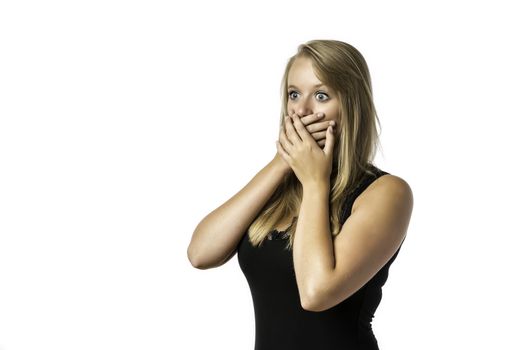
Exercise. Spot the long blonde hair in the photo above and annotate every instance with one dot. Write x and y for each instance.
(342, 67)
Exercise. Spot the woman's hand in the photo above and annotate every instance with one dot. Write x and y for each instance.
(315, 127)
(310, 163)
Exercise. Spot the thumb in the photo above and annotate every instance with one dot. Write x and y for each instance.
(330, 140)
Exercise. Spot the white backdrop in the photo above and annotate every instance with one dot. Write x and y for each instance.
(123, 123)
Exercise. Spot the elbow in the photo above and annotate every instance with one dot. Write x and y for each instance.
(192, 252)
(315, 305)
(194, 264)
(199, 263)
(311, 302)
(311, 305)
(306, 305)
(193, 259)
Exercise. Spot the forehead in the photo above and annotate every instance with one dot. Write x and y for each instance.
(302, 73)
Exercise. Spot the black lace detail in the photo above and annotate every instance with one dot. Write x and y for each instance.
(275, 235)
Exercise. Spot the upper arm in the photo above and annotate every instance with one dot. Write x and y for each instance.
(368, 239)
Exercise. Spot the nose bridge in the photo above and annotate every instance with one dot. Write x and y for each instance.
(304, 106)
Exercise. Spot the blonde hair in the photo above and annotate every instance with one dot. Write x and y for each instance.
(342, 67)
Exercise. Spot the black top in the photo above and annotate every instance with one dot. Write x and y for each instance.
(280, 320)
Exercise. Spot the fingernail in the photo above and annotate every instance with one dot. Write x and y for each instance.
(319, 114)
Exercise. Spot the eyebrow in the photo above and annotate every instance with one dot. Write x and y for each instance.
(295, 87)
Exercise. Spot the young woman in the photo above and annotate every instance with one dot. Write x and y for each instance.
(317, 228)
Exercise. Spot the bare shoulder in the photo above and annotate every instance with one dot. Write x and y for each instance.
(386, 187)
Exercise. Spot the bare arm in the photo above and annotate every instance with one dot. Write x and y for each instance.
(216, 236)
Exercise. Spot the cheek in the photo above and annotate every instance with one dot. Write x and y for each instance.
(332, 114)
(336, 113)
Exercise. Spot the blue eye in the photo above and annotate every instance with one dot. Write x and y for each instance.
(322, 93)
(317, 93)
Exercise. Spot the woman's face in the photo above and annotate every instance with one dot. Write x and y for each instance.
(307, 95)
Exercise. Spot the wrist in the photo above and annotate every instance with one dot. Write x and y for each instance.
(317, 187)
(280, 166)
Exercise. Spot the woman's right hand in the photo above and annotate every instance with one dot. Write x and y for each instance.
(317, 129)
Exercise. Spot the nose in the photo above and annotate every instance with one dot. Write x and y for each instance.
(302, 108)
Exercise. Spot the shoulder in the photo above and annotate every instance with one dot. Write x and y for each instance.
(383, 189)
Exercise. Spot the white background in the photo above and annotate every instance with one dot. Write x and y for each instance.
(123, 123)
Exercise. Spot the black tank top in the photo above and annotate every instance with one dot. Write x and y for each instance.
(280, 320)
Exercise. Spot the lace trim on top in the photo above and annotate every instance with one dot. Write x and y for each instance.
(275, 234)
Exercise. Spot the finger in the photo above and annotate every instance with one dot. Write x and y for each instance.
(301, 129)
(312, 118)
(282, 152)
(319, 135)
(321, 126)
(285, 142)
(330, 140)
(291, 132)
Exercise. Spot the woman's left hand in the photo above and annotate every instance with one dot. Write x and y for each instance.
(310, 163)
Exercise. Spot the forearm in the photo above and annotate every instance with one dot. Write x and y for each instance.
(220, 231)
(313, 253)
